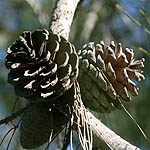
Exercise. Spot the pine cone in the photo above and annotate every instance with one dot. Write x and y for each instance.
(38, 124)
(106, 74)
(43, 65)
(44, 120)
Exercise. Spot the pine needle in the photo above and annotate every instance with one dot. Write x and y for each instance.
(131, 117)
(133, 19)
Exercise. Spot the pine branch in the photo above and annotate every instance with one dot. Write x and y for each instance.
(61, 22)
(109, 137)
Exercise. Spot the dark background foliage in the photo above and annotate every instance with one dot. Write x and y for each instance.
(95, 20)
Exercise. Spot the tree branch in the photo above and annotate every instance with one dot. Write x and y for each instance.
(63, 16)
(108, 136)
(60, 24)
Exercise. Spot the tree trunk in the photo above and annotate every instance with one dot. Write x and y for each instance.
(60, 24)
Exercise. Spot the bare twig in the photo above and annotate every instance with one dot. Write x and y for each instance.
(15, 128)
(14, 115)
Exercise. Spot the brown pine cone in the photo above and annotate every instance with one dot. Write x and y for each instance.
(106, 74)
(43, 65)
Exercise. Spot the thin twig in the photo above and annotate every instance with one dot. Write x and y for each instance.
(66, 141)
(51, 134)
(138, 126)
(14, 115)
(6, 135)
(15, 128)
(14, 107)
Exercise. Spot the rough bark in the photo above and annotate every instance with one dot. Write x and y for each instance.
(61, 22)
(103, 133)
(63, 16)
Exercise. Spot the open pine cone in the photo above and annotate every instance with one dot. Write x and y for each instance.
(43, 65)
(108, 73)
